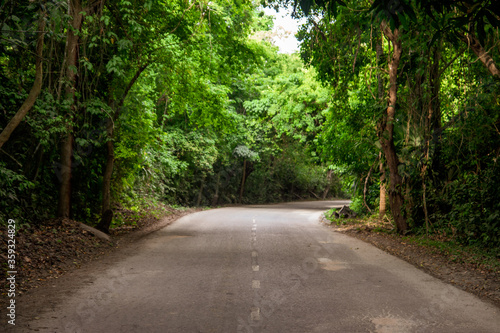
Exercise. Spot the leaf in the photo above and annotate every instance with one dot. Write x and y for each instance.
(124, 44)
(435, 37)
(305, 5)
(404, 21)
(105, 19)
(332, 9)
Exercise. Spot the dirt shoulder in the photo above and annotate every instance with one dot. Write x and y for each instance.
(463, 271)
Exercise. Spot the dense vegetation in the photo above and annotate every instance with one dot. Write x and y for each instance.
(415, 108)
(136, 102)
(108, 104)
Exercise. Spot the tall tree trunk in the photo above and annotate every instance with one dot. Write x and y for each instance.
(35, 90)
(64, 204)
(106, 212)
(383, 193)
(365, 189)
(75, 11)
(386, 133)
(380, 88)
(329, 176)
(433, 122)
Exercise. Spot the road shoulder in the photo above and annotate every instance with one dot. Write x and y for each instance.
(480, 280)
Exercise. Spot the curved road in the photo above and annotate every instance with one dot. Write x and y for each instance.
(263, 269)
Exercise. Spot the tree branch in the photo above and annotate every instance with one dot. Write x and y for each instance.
(35, 90)
(127, 89)
(474, 44)
(12, 157)
(183, 14)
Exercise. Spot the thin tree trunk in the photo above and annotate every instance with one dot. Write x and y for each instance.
(38, 164)
(383, 193)
(35, 90)
(108, 171)
(106, 212)
(433, 121)
(365, 189)
(200, 192)
(424, 199)
(216, 195)
(386, 133)
(314, 195)
(380, 82)
(243, 179)
(329, 175)
(75, 10)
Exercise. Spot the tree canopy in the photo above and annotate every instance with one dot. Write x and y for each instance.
(109, 105)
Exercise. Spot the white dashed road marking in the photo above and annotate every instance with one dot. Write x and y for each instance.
(255, 314)
(255, 311)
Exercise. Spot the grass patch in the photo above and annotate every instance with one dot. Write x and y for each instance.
(370, 222)
(330, 216)
(132, 215)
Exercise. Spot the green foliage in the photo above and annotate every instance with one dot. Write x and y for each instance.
(292, 175)
(330, 216)
(13, 193)
(263, 22)
(138, 211)
(446, 125)
(244, 152)
(203, 112)
(357, 205)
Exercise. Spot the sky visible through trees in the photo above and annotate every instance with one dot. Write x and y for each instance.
(283, 18)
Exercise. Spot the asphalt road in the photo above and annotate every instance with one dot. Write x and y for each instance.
(263, 269)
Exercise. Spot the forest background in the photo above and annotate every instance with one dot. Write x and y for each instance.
(108, 106)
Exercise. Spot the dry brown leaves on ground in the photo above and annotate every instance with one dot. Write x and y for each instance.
(47, 251)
